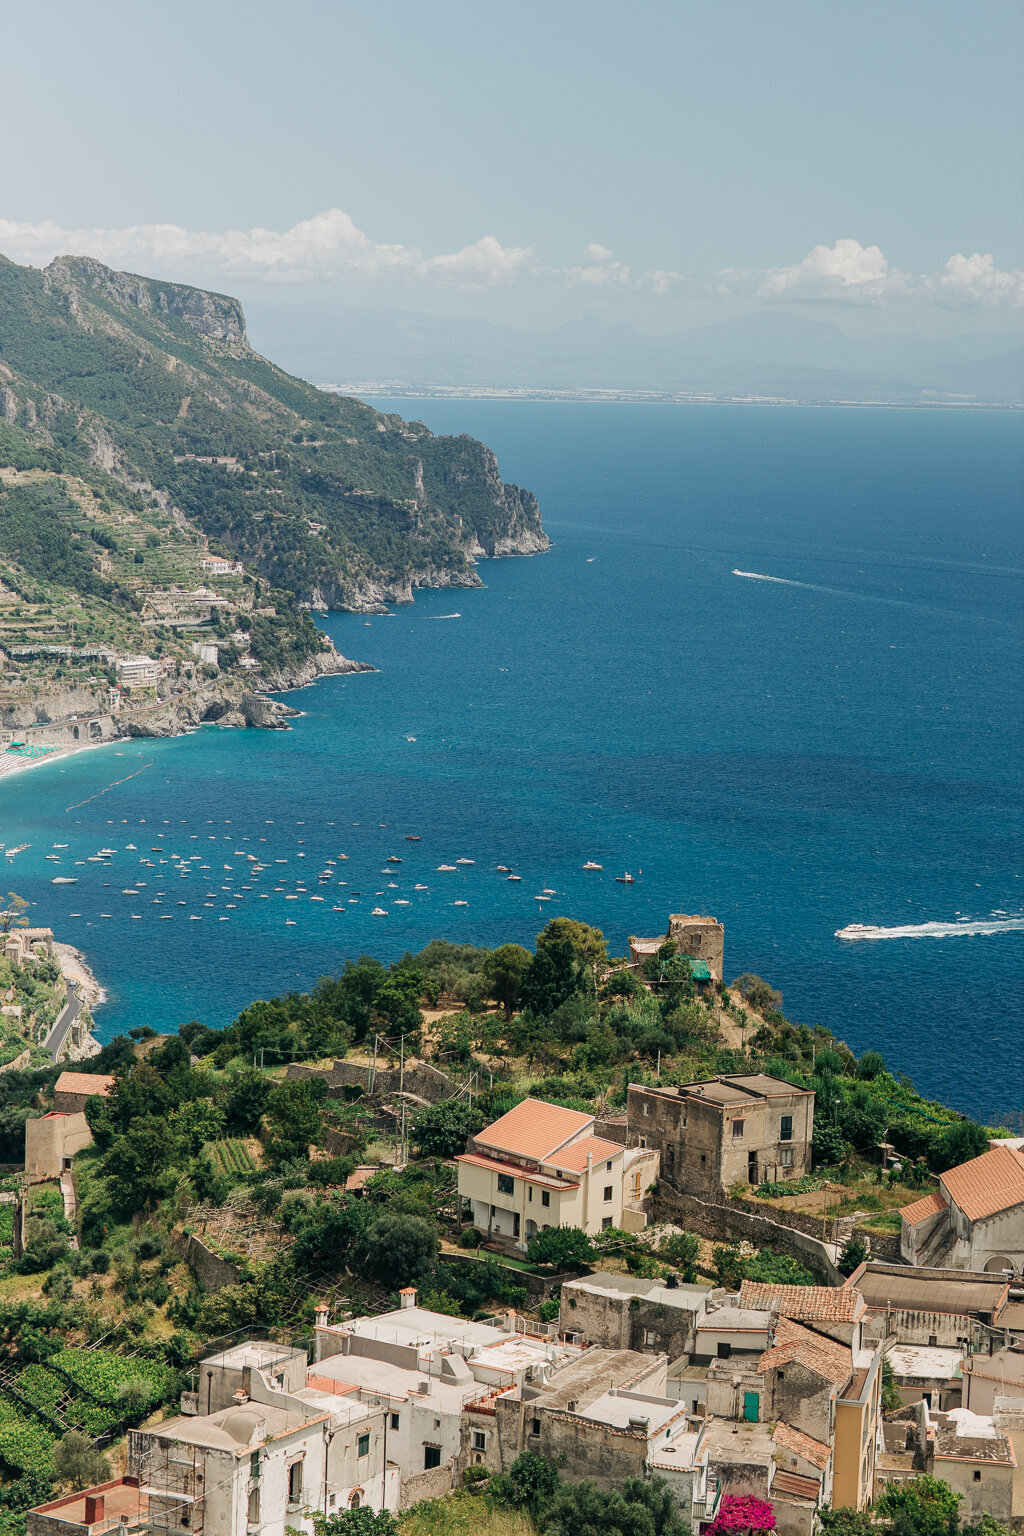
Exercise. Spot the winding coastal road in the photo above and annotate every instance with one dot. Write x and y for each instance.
(69, 1013)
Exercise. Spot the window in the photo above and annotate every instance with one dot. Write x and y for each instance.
(724, 1349)
(786, 1133)
(786, 1157)
(933, 1339)
(646, 1109)
(431, 1457)
(395, 1421)
(295, 1483)
(506, 1184)
(254, 1507)
(737, 1129)
(606, 1221)
(703, 1159)
(650, 1338)
(479, 1440)
(545, 1197)
(529, 1191)
(977, 1477)
(608, 1166)
(363, 1446)
(609, 1190)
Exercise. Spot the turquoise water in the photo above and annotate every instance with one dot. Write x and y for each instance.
(837, 745)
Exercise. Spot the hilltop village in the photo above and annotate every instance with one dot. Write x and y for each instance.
(511, 1240)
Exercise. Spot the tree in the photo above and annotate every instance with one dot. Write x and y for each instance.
(140, 1166)
(197, 1122)
(329, 1235)
(923, 1506)
(14, 914)
(640, 1509)
(844, 1521)
(564, 1247)
(247, 1102)
(958, 1144)
(758, 994)
(529, 1485)
(396, 1002)
(505, 969)
(552, 979)
(891, 1399)
(76, 1462)
(400, 1250)
(443, 1129)
(870, 1065)
(853, 1255)
(363, 1521)
(588, 944)
(682, 1249)
(294, 1117)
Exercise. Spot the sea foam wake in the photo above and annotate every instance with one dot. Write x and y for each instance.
(969, 926)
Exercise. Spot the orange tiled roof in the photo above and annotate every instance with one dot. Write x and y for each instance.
(534, 1129)
(575, 1157)
(328, 1384)
(802, 1445)
(808, 1302)
(84, 1082)
(921, 1210)
(545, 1181)
(987, 1184)
(826, 1358)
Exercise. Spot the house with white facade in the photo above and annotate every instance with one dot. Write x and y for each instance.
(974, 1220)
(542, 1165)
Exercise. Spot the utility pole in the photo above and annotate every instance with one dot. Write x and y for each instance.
(373, 1069)
(401, 1066)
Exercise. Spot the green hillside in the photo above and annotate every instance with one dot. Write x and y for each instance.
(118, 378)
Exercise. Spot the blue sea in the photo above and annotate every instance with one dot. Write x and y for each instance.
(832, 738)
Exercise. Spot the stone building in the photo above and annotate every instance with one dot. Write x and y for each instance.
(976, 1460)
(542, 1166)
(72, 1089)
(975, 1220)
(701, 939)
(23, 946)
(52, 1140)
(625, 1312)
(747, 1128)
(934, 1307)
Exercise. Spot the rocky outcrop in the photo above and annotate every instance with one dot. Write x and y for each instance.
(210, 314)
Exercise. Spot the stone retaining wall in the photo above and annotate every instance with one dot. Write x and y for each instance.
(725, 1222)
(207, 1266)
(418, 1078)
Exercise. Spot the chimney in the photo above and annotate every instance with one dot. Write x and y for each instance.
(240, 1397)
(408, 1295)
(510, 1320)
(93, 1508)
(320, 1315)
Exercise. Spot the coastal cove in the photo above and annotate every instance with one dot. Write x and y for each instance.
(792, 754)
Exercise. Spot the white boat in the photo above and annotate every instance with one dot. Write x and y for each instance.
(460, 903)
(421, 887)
(515, 877)
(20, 849)
(64, 880)
(465, 861)
(854, 931)
(400, 902)
(378, 912)
(591, 865)
(448, 869)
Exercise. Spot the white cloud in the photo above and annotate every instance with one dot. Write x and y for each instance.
(977, 280)
(325, 247)
(330, 247)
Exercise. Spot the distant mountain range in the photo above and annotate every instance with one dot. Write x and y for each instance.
(772, 354)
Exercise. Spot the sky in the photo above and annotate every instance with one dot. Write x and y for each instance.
(531, 161)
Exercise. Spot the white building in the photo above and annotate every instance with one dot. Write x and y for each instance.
(278, 1450)
(542, 1166)
(139, 671)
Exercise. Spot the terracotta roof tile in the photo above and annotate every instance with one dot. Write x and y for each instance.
(575, 1157)
(534, 1129)
(807, 1302)
(923, 1209)
(84, 1082)
(803, 1445)
(825, 1357)
(987, 1184)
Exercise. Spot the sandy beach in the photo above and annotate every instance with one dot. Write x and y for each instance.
(10, 765)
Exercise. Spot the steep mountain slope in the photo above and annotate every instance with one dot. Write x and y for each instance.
(324, 496)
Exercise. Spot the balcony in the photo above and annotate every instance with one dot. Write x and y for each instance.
(705, 1509)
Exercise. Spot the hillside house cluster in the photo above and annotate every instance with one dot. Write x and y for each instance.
(700, 939)
(24, 946)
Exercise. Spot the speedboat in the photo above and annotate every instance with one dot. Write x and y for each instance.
(378, 912)
(591, 865)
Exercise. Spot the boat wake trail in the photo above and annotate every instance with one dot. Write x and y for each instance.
(870, 597)
(969, 926)
(109, 787)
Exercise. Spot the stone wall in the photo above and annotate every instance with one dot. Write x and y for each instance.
(433, 1484)
(418, 1078)
(208, 1267)
(538, 1287)
(725, 1223)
